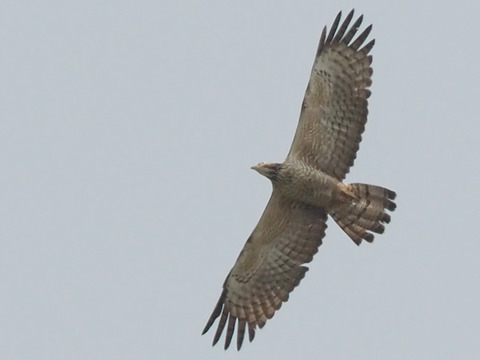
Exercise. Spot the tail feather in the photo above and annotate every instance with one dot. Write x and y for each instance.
(366, 212)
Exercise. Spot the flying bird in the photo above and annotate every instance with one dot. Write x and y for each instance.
(308, 186)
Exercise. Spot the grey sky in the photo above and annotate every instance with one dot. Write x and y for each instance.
(127, 133)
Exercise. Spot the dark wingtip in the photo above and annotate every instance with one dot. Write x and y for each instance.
(386, 218)
(391, 206)
(379, 229)
(251, 332)
(361, 38)
(391, 194)
(366, 49)
(216, 312)
(343, 28)
(230, 330)
(333, 28)
(357, 241)
(368, 237)
(240, 332)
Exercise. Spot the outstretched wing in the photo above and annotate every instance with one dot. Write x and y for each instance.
(334, 110)
(268, 268)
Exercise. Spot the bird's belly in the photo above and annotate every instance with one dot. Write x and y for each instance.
(311, 187)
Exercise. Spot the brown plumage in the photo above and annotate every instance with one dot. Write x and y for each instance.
(308, 186)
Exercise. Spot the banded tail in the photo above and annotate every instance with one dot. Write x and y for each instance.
(366, 213)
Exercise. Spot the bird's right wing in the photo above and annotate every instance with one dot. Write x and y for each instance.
(269, 267)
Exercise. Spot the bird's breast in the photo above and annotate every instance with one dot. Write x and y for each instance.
(303, 183)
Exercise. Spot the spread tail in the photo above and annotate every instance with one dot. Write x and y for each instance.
(365, 213)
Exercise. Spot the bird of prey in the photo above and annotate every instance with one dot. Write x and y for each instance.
(308, 186)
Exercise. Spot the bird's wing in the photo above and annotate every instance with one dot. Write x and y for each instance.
(268, 268)
(334, 110)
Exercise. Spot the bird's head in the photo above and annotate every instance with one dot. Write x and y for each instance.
(269, 170)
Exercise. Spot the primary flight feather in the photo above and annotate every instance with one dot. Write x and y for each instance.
(308, 186)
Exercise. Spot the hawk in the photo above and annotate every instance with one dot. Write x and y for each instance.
(308, 186)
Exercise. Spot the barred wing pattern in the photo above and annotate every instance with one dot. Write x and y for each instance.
(268, 268)
(334, 110)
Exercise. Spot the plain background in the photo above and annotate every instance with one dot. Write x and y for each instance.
(127, 132)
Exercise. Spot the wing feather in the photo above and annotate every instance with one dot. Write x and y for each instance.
(335, 107)
(344, 27)
(268, 268)
(353, 30)
(334, 27)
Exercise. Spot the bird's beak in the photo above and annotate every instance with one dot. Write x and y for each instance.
(254, 167)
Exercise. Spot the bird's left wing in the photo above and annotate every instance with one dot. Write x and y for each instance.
(268, 268)
(334, 110)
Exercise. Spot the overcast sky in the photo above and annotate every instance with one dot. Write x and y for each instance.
(127, 132)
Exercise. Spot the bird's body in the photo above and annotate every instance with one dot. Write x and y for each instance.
(308, 186)
(300, 182)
